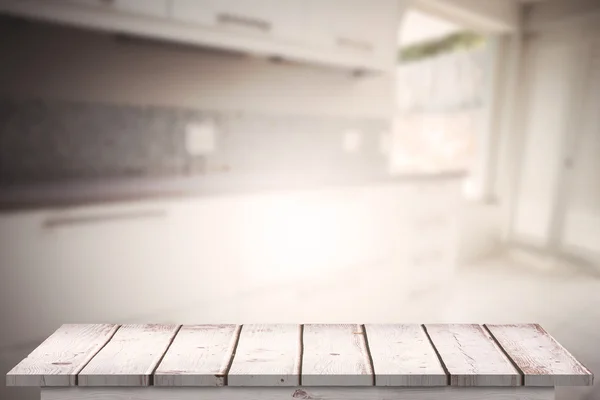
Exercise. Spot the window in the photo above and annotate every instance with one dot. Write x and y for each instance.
(441, 98)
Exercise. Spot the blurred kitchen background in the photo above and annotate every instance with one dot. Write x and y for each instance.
(208, 161)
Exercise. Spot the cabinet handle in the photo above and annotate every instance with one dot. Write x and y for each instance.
(248, 22)
(61, 221)
(354, 44)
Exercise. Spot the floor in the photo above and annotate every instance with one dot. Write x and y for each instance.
(565, 300)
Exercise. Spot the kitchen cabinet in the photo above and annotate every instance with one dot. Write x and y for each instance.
(112, 259)
(154, 8)
(84, 263)
(355, 27)
(581, 219)
(201, 12)
(214, 258)
(345, 34)
(205, 249)
(548, 98)
(27, 259)
(430, 232)
(267, 18)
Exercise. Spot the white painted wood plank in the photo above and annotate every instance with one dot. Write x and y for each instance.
(267, 355)
(543, 361)
(58, 360)
(403, 356)
(130, 358)
(471, 356)
(284, 393)
(335, 355)
(199, 356)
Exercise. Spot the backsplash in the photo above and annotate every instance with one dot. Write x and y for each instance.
(57, 141)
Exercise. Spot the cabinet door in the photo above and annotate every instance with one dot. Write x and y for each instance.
(27, 259)
(112, 262)
(202, 12)
(431, 230)
(205, 250)
(358, 27)
(279, 19)
(155, 8)
(548, 94)
(582, 218)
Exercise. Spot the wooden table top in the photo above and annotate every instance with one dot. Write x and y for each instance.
(300, 355)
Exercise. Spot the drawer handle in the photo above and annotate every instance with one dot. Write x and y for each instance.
(254, 23)
(354, 44)
(57, 222)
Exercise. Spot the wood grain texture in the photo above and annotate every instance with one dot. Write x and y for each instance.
(403, 356)
(130, 358)
(335, 355)
(199, 356)
(267, 355)
(471, 356)
(543, 361)
(283, 393)
(58, 360)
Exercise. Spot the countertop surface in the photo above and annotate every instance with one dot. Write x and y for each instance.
(67, 194)
(433, 355)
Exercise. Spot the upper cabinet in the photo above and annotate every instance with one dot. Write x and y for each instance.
(359, 28)
(348, 34)
(262, 18)
(155, 8)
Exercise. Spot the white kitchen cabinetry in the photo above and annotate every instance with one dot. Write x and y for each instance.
(216, 259)
(205, 252)
(355, 27)
(200, 12)
(112, 260)
(155, 8)
(549, 97)
(267, 18)
(27, 259)
(85, 264)
(346, 34)
(430, 232)
(581, 219)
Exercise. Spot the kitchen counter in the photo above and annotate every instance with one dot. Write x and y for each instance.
(61, 195)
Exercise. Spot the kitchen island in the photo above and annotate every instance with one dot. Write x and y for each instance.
(226, 254)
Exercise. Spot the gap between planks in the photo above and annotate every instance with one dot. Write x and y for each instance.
(503, 350)
(437, 354)
(236, 342)
(369, 354)
(162, 357)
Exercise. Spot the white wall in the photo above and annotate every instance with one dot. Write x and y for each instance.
(51, 62)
